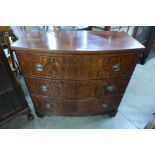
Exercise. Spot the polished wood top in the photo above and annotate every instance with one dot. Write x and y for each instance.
(77, 41)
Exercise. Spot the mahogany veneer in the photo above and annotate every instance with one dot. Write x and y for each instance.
(77, 72)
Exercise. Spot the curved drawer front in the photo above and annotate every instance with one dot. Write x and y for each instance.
(35, 65)
(75, 107)
(69, 89)
(93, 67)
(78, 67)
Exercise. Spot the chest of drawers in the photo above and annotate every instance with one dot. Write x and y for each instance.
(77, 72)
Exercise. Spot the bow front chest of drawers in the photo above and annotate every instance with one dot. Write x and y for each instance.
(77, 72)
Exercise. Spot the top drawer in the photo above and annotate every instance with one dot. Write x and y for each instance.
(78, 67)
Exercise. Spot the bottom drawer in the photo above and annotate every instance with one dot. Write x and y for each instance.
(75, 107)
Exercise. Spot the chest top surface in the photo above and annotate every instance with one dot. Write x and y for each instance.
(77, 41)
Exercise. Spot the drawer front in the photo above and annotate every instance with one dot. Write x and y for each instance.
(35, 65)
(78, 67)
(75, 107)
(69, 89)
(93, 67)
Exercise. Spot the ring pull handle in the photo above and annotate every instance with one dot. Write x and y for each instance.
(51, 106)
(105, 106)
(44, 88)
(39, 67)
(116, 67)
(109, 88)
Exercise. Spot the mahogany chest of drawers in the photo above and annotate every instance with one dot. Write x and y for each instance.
(77, 72)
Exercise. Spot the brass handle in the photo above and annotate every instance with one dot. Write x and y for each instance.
(44, 88)
(39, 67)
(116, 67)
(51, 106)
(105, 106)
(48, 106)
(109, 88)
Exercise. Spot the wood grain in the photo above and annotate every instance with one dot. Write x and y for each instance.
(93, 67)
(78, 67)
(68, 89)
(81, 72)
(75, 107)
(77, 42)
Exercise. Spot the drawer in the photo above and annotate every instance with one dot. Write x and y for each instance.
(35, 65)
(75, 107)
(78, 67)
(70, 89)
(93, 67)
